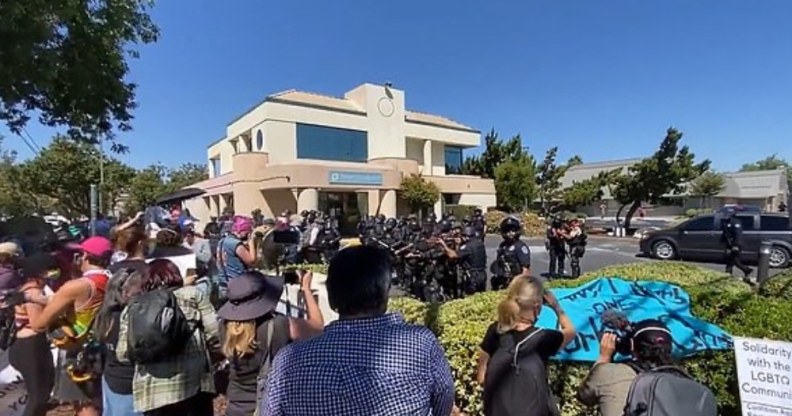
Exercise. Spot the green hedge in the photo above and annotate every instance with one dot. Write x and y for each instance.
(716, 297)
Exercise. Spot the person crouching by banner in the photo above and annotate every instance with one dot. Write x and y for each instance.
(68, 317)
(613, 387)
(514, 352)
(29, 351)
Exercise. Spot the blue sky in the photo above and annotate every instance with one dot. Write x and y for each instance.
(602, 79)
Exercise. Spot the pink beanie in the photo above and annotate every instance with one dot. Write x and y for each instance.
(242, 225)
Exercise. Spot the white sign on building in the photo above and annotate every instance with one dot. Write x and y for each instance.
(764, 373)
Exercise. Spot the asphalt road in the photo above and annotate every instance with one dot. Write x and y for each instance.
(600, 252)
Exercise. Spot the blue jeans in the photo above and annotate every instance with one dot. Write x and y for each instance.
(115, 404)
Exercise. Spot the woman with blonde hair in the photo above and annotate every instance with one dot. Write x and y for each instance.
(514, 352)
(252, 333)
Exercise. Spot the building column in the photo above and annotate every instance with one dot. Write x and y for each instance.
(427, 158)
(308, 200)
(388, 203)
(438, 207)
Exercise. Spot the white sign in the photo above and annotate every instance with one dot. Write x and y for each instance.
(764, 372)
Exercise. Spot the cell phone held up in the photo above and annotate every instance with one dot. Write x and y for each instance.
(291, 277)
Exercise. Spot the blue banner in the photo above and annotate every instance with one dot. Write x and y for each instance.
(638, 300)
(355, 178)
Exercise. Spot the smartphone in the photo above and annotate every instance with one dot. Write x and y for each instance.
(14, 298)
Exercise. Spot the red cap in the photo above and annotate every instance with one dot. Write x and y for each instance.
(96, 246)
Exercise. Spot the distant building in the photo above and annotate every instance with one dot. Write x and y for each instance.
(342, 155)
(765, 189)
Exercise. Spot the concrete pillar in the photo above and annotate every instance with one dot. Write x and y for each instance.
(373, 202)
(438, 207)
(427, 157)
(308, 200)
(388, 203)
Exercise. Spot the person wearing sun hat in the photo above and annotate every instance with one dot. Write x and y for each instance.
(79, 299)
(252, 333)
(9, 257)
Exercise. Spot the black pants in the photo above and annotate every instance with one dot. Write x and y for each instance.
(199, 405)
(733, 259)
(575, 254)
(33, 359)
(557, 259)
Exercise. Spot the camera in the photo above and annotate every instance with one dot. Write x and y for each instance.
(291, 277)
(616, 322)
(286, 237)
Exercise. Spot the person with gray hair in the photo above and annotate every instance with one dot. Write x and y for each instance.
(369, 362)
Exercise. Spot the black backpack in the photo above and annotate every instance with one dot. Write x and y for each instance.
(516, 381)
(8, 327)
(157, 327)
(668, 391)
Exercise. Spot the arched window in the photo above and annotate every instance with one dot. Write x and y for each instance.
(260, 141)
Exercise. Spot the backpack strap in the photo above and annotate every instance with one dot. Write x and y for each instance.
(276, 323)
(516, 356)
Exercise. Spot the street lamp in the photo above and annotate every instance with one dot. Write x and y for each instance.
(101, 176)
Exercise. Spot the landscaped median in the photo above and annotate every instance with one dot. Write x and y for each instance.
(716, 298)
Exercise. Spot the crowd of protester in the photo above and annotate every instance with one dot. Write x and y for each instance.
(136, 334)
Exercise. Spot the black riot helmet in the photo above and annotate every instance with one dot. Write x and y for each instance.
(469, 232)
(477, 212)
(390, 223)
(444, 226)
(414, 224)
(510, 225)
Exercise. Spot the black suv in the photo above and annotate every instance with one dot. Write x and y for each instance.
(699, 239)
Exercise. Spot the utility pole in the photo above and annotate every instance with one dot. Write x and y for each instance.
(101, 178)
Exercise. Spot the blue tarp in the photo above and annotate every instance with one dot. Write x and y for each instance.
(638, 300)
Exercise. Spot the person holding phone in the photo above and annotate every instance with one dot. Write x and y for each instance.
(515, 338)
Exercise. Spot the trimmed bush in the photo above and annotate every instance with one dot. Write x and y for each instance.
(779, 286)
(715, 297)
(533, 225)
(695, 212)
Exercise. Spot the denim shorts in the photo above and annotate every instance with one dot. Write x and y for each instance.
(114, 404)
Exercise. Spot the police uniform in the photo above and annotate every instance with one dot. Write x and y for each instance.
(576, 239)
(556, 247)
(732, 236)
(472, 256)
(513, 255)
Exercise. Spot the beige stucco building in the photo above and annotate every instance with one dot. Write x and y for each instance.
(346, 156)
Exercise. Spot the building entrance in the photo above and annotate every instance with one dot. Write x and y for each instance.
(347, 207)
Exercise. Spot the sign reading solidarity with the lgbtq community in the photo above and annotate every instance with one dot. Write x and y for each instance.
(764, 372)
(638, 301)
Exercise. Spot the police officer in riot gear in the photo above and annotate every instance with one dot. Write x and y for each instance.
(514, 257)
(731, 234)
(472, 260)
(556, 246)
(479, 223)
(576, 237)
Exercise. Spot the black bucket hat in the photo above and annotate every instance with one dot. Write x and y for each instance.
(251, 296)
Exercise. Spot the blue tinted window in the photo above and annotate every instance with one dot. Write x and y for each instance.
(329, 143)
(215, 167)
(453, 159)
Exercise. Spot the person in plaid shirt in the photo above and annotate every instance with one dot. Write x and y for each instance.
(183, 384)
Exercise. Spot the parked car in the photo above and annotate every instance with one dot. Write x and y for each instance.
(700, 239)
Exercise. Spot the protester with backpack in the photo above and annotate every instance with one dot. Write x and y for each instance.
(126, 282)
(253, 333)
(168, 331)
(647, 383)
(514, 353)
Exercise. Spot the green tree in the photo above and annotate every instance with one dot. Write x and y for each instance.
(651, 180)
(771, 162)
(145, 187)
(574, 161)
(496, 151)
(515, 184)
(66, 62)
(548, 179)
(587, 191)
(419, 193)
(15, 196)
(706, 186)
(187, 174)
(65, 171)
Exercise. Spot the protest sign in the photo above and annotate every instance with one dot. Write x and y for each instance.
(638, 300)
(764, 373)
